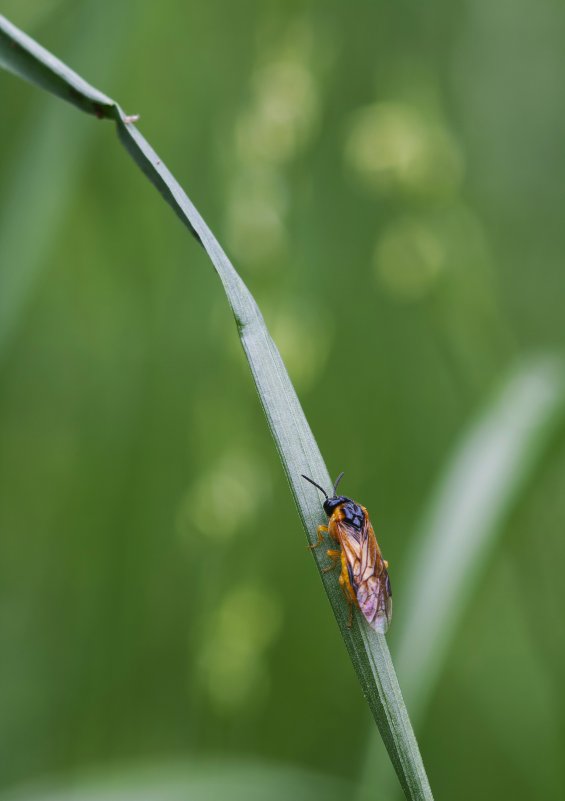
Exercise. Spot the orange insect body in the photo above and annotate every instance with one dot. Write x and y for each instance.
(364, 576)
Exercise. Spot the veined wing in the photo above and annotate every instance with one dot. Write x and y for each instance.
(367, 572)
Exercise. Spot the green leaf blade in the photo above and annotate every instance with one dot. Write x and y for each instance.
(481, 482)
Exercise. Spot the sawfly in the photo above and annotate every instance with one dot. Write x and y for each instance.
(364, 576)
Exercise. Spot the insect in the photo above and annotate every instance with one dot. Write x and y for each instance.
(363, 577)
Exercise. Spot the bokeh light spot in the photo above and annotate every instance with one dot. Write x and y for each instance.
(255, 216)
(304, 338)
(281, 115)
(415, 253)
(232, 660)
(397, 147)
(224, 499)
(408, 259)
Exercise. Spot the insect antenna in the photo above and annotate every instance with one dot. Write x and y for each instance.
(338, 479)
(316, 485)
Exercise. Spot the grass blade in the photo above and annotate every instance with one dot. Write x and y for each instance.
(294, 440)
(481, 482)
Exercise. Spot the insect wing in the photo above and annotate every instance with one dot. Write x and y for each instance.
(367, 572)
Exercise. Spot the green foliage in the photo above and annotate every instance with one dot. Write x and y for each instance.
(294, 440)
(395, 207)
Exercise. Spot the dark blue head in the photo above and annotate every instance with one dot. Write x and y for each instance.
(330, 504)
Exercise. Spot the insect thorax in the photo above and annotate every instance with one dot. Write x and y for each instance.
(352, 514)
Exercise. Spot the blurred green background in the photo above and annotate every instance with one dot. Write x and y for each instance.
(389, 181)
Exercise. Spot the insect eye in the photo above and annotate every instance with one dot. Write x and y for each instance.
(329, 506)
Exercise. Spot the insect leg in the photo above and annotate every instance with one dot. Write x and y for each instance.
(349, 601)
(349, 597)
(335, 556)
(320, 530)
